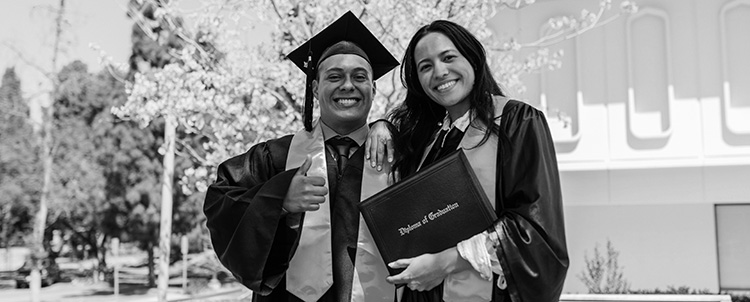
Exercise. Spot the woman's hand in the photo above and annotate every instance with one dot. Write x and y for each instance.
(426, 271)
(379, 144)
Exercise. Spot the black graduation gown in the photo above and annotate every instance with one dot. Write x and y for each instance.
(528, 203)
(244, 216)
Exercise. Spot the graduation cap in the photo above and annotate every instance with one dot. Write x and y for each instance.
(347, 35)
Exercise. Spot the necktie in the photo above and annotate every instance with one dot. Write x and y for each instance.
(446, 142)
(344, 215)
(341, 145)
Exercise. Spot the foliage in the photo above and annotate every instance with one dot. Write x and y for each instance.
(686, 290)
(107, 171)
(672, 290)
(228, 94)
(740, 298)
(603, 274)
(78, 188)
(231, 93)
(20, 171)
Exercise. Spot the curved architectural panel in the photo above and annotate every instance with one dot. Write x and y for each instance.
(650, 90)
(561, 96)
(735, 44)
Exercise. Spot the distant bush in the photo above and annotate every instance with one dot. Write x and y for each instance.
(672, 290)
(686, 290)
(740, 298)
(197, 286)
(603, 274)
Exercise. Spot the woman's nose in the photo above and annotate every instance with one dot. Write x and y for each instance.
(441, 70)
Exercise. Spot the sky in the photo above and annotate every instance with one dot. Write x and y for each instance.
(27, 36)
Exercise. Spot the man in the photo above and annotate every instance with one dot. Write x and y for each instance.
(283, 217)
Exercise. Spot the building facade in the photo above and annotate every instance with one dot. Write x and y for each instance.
(650, 115)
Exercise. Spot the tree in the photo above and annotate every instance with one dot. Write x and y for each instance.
(252, 93)
(107, 169)
(171, 93)
(20, 172)
(46, 145)
(211, 88)
(603, 274)
(81, 111)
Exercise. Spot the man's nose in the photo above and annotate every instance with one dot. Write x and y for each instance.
(347, 84)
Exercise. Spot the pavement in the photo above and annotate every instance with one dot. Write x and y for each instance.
(102, 291)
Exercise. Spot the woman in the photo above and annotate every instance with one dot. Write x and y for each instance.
(454, 102)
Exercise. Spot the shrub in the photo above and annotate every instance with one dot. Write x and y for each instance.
(603, 274)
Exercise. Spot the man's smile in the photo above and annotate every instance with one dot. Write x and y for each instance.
(347, 101)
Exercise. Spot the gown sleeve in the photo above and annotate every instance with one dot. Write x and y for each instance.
(532, 251)
(245, 219)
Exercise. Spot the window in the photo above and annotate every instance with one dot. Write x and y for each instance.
(733, 241)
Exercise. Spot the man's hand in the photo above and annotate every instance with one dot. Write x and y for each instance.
(305, 193)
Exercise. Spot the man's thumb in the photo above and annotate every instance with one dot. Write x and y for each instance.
(305, 166)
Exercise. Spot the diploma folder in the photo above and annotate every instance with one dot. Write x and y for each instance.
(429, 211)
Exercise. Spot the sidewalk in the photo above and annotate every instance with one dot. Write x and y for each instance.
(101, 291)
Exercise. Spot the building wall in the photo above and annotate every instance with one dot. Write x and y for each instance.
(658, 132)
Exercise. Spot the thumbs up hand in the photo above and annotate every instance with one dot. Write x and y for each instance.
(305, 193)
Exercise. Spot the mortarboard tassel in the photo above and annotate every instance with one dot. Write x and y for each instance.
(308, 92)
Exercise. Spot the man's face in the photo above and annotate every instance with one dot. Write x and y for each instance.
(345, 89)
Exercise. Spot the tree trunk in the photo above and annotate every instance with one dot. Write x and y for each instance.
(101, 254)
(6, 234)
(46, 158)
(151, 274)
(40, 222)
(165, 226)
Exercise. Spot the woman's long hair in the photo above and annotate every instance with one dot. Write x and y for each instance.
(418, 116)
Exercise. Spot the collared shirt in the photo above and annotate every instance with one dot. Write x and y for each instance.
(462, 123)
(358, 136)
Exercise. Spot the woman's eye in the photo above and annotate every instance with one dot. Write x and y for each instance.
(424, 68)
(449, 58)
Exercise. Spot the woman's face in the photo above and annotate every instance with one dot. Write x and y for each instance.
(445, 74)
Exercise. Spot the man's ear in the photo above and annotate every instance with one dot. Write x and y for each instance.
(315, 88)
(374, 86)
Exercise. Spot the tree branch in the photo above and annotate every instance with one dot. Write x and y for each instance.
(111, 70)
(22, 56)
(561, 35)
(142, 22)
(518, 4)
(11, 111)
(58, 34)
(191, 152)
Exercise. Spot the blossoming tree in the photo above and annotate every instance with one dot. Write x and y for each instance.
(231, 92)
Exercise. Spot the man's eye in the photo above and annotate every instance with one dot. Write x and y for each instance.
(333, 77)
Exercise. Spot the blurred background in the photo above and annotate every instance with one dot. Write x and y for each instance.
(114, 115)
